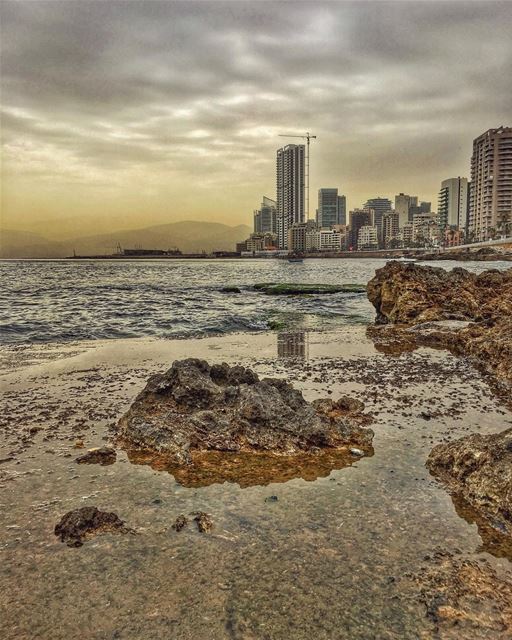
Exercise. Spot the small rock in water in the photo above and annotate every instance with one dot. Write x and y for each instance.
(99, 455)
(231, 290)
(82, 524)
(271, 499)
(356, 452)
(204, 522)
(181, 521)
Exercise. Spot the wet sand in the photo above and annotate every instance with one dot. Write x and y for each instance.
(328, 559)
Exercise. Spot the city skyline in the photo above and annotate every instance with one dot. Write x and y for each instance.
(172, 111)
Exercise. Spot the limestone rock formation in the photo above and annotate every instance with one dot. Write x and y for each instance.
(198, 407)
(406, 293)
(410, 294)
(479, 468)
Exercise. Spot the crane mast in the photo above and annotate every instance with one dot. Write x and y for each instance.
(306, 137)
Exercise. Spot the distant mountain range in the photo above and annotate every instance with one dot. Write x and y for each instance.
(188, 236)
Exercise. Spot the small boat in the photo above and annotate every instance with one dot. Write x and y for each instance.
(295, 257)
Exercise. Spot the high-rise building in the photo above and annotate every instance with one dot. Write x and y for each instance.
(422, 207)
(490, 201)
(325, 240)
(390, 227)
(358, 218)
(297, 235)
(290, 189)
(367, 238)
(405, 206)
(331, 208)
(453, 203)
(425, 229)
(265, 218)
(380, 206)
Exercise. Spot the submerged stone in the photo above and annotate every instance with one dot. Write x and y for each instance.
(81, 524)
(282, 288)
(99, 455)
(203, 521)
(181, 522)
(464, 597)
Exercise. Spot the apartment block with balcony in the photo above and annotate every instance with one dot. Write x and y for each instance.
(490, 201)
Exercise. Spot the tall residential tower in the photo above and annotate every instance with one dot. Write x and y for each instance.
(490, 201)
(404, 206)
(453, 203)
(290, 189)
(380, 206)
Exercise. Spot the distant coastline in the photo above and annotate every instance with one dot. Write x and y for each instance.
(419, 254)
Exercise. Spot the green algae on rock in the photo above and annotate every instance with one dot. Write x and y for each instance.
(285, 288)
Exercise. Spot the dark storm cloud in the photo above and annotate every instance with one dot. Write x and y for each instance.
(199, 86)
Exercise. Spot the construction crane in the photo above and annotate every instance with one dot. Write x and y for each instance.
(306, 137)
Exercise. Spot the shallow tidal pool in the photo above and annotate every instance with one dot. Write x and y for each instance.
(305, 553)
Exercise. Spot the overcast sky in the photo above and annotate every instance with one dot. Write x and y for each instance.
(172, 110)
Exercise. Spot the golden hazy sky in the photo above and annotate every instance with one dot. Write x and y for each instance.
(145, 112)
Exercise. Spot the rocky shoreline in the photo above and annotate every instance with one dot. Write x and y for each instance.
(469, 314)
(479, 468)
(484, 254)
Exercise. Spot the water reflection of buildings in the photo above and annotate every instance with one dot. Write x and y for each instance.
(293, 344)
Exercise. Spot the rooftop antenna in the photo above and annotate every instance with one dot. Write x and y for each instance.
(306, 137)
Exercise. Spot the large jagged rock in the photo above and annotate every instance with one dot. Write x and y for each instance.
(418, 299)
(198, 407)
(479, 469)
(410, 294)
